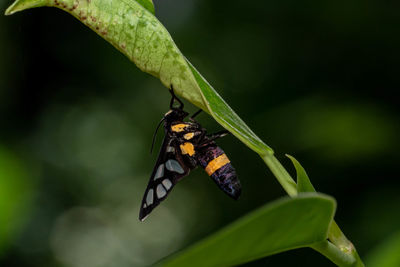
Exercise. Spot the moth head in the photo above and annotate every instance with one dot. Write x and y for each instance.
(175, 114)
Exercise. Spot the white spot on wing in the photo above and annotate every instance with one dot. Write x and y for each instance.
(159, 172)
(173, 166)
(149, 197)
(144, 218)
(167, 183)
(161, 191)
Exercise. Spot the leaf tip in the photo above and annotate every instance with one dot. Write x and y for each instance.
(10, 10)
(293, 159)
(303, 182)
(20, 5)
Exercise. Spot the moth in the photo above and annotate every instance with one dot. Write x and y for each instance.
(186, 145)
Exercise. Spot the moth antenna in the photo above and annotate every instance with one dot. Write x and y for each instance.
(155, 134)
(171, 104)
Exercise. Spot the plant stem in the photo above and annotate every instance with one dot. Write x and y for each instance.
(340, 250)
(281, 174)
(337, 237)
(334, 254)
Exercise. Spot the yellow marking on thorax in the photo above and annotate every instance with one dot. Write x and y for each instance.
(188, 136)
(187, 148)
(178, 127)
(217, 163)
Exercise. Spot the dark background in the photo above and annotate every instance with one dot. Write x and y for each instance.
(315, 79)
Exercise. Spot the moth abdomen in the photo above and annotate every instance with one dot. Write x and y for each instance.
(217, 165)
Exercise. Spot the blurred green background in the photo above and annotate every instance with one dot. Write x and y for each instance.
(315, 79)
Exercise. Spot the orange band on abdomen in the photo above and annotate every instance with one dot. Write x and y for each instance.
(217, 163)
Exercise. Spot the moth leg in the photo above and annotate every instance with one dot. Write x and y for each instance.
(217, 135)
(203, 134)
(171, 104)
(210, 138)
(195, 114)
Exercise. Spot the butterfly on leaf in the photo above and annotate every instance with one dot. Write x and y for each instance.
(186, 145)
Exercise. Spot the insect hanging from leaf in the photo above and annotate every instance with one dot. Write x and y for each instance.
(186, 145)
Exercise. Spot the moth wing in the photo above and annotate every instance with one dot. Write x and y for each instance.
(169, 169)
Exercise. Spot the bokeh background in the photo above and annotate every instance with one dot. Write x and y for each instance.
(315, 79)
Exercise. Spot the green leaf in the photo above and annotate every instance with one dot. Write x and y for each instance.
(134, 31)
(303, 182)
(386, 254)
(278, 226)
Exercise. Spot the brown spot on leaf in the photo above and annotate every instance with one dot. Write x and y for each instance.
(73, 7)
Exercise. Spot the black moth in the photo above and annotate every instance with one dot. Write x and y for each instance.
(187, 145)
